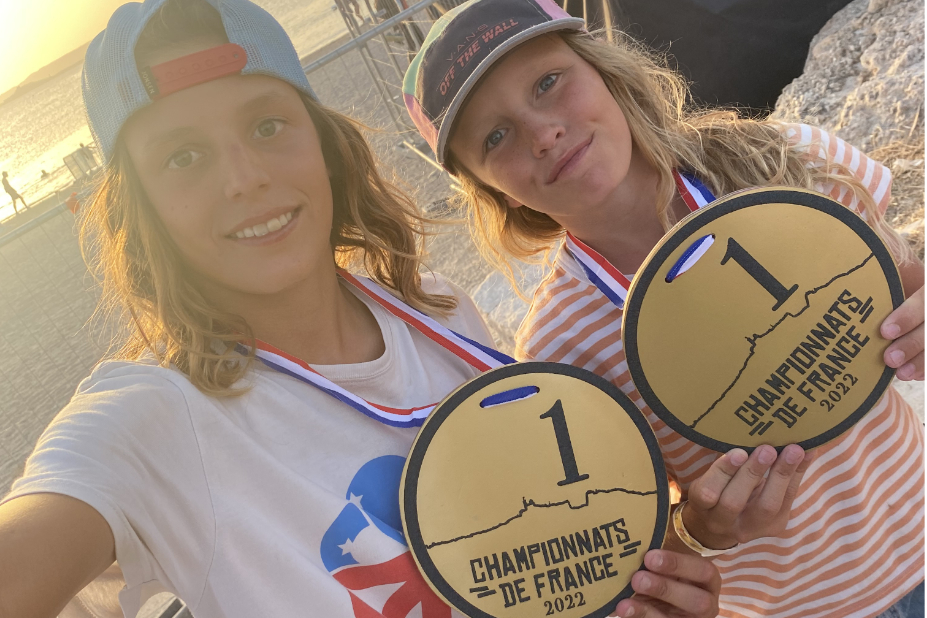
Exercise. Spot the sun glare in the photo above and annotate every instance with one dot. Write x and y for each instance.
(39, 32)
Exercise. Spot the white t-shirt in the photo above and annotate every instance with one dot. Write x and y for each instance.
(280, 502)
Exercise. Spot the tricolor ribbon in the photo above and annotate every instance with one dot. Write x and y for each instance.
(475, 354)
(608, 279)
(695, 194)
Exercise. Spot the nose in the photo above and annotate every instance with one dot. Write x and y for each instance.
(244, 171)
(544, 132)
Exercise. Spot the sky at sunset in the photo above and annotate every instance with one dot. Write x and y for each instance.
(37, 32)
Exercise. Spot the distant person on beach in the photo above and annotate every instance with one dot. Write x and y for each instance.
(87, 151)
(14, 195)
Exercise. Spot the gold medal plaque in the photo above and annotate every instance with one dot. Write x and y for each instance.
(534, 489)
(772, 335)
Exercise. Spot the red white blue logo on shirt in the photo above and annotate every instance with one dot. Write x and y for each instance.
(364, 549)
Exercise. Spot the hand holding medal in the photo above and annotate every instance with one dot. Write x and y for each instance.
(537, 489)
(756, 321)
(464, 551)
(533, 488)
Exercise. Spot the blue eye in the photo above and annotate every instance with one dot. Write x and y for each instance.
(493, 139)
(546, 83)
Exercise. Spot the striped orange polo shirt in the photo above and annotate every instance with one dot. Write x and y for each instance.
(855, 541)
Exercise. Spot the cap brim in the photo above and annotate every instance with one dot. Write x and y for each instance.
(571, 23)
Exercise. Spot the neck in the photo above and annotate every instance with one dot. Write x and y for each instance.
(318, 320)
(627, 226)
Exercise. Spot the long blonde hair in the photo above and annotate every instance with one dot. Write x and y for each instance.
(151, 291)
(725, 151)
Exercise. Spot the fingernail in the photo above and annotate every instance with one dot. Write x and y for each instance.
(644, 583)
(897, 356)
(767, 456)
(891, 330)
(656, 560)
(792, 456)
(737, 456)
(626, 612)
(906, 372)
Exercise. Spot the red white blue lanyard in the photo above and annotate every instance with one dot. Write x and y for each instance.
(477, 355)
(609, 279)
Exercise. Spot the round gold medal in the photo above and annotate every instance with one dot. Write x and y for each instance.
(756, 321)
(534, 489)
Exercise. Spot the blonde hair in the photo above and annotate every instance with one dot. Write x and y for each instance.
(148, 287)
(725, 151)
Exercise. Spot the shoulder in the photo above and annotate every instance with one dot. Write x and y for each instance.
(122, 398)
(821, 146)
(131, 380)
(436, 283)
(823, 149)
(126, 445)
(125, 422)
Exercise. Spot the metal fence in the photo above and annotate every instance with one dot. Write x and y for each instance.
(363, 77)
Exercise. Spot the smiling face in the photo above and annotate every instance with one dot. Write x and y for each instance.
(234, 169)
(543, 129)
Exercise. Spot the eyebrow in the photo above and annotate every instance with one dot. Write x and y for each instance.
(249, 107)
(262, 100)
(168, 136)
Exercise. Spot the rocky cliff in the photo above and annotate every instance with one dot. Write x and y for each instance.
(864, 81)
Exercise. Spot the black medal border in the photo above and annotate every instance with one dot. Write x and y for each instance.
(702, 218)
(440, 414)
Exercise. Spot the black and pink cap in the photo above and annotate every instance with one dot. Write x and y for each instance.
(461, 46)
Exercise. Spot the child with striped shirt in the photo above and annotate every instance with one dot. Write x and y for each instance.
(550, 130)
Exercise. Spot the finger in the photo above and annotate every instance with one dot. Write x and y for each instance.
(706, 490)
(735, 496)
(772, 500)
(677, 594)
(792, 490)
(905, 347)
(809, 458)
(905, 318)
(693, 569)
(913, 370)
(755, 494)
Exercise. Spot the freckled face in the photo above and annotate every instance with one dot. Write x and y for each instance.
(234, 169)
(543, 129)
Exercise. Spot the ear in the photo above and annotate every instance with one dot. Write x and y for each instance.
(511, 202)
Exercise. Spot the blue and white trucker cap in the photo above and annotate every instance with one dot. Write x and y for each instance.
(114, 88)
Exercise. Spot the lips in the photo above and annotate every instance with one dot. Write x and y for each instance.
(261, 225)
(569, 160)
